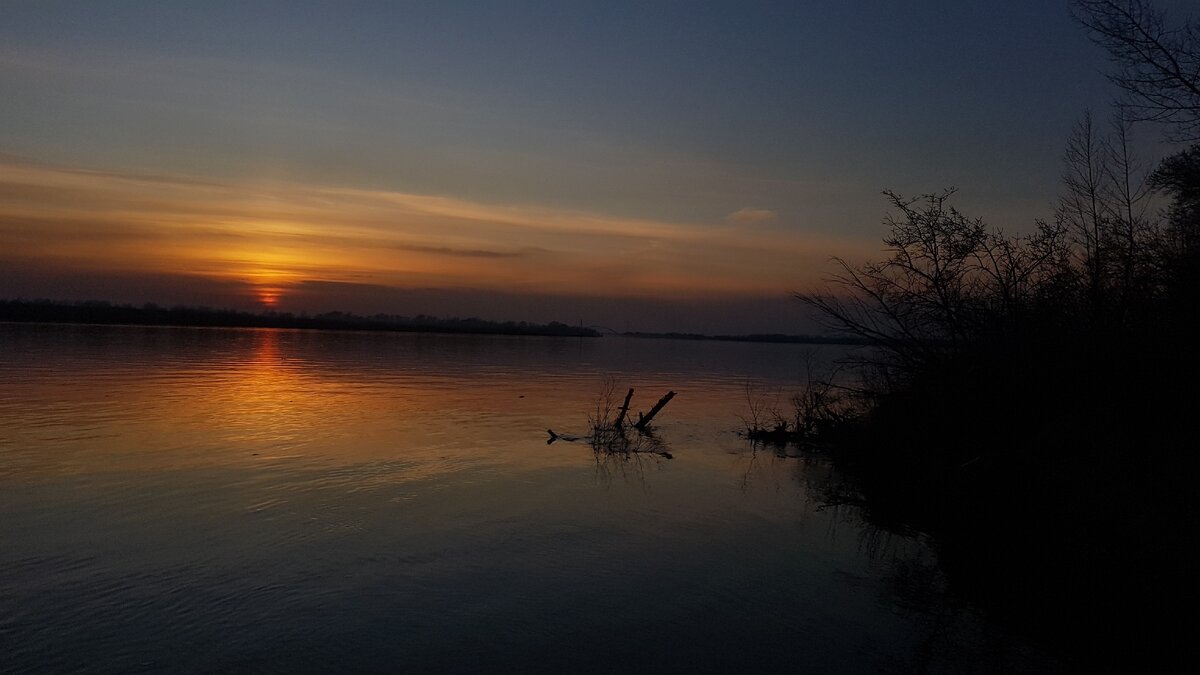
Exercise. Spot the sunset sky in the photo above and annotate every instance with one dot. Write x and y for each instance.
(645, 166)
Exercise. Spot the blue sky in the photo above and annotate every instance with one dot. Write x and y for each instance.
(679, 114)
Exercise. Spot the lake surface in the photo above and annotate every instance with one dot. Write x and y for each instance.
(202, 500)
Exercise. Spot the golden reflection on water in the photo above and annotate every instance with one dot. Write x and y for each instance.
(392, 407)
(248, 397)
(263, 401)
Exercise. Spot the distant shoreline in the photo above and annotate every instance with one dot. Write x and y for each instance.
(105, 313)
(109, 314)
(771, 338)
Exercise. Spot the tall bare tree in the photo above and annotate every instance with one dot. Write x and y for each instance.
(1158, 64)
(1083, 209)
(1133, 231)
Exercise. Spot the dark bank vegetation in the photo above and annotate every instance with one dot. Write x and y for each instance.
(812, 417)
(101, 312)
(1029, 400)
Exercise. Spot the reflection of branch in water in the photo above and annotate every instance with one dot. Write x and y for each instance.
(625, 465)
(749, 468)
(620, 442)
(951, 633)
(761, 468)
(826, 489)
(626, 453)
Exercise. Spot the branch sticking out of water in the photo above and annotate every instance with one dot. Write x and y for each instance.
(612, 434)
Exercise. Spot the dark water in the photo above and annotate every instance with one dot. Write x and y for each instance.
(197, 500)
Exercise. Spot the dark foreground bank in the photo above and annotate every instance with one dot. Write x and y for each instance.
(1039, 393)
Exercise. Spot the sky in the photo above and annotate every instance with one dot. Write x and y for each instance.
(646, 166)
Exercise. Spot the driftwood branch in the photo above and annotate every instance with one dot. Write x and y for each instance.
(644, 420)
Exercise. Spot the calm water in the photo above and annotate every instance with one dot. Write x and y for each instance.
(197, 500)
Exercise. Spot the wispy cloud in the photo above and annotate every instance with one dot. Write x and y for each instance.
(283, 234)
(457, 252)
(751, 216)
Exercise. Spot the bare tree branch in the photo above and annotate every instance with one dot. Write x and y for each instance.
(1158, 66)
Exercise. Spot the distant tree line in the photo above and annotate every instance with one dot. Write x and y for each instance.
(776, 338)
(1039, 390)
(102, 312)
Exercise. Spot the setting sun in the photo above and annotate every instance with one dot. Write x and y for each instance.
(268, 296)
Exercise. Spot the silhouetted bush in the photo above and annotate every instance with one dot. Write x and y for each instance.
(1027, 404)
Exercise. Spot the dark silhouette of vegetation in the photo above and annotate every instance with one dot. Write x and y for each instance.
(820, 409)
(1026, 399)
(100, 312)
(1158, 65)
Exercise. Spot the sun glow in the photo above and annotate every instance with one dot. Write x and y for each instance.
(266, 243)
(268, 297)
(268, 273)
(267, 287)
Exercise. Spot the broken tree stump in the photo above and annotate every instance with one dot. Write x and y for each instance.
(644, 420)
(623, 410)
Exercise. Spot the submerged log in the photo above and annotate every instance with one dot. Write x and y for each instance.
(644, 420)
(570, 438)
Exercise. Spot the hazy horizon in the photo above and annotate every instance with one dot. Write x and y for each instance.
(739, 316)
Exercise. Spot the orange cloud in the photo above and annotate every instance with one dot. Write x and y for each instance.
(273, 236)
(750, 216)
